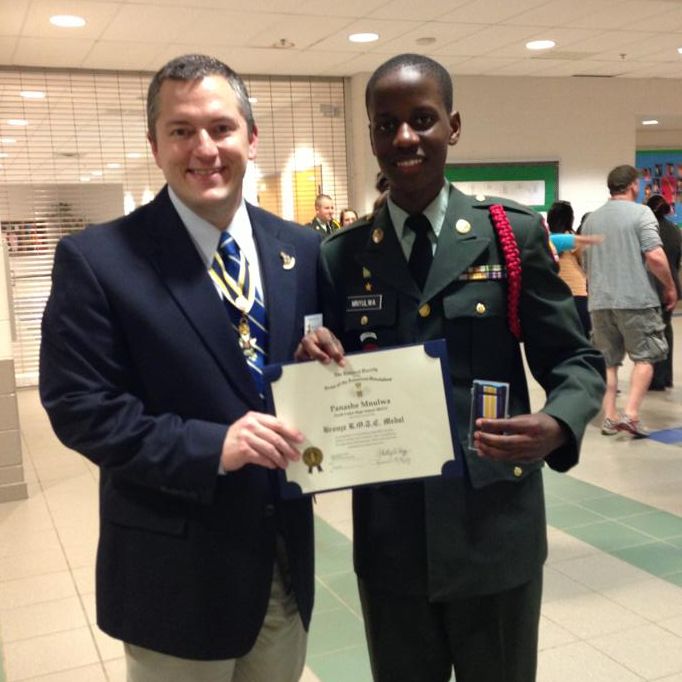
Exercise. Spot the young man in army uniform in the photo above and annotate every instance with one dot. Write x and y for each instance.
(450, 570)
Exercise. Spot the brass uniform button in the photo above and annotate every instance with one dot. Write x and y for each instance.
(480, 308)
(377, 235)
(518, 471)
(368, 286)
(425, 310)
(463, 226)
(364, 320)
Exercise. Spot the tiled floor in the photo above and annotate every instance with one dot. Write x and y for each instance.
(612, 608)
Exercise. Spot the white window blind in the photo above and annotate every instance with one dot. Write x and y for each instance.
(79, 155)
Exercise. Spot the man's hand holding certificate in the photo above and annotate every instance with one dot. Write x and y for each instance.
(380, 417)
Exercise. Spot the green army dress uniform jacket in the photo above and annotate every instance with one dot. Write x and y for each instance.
(485, 532)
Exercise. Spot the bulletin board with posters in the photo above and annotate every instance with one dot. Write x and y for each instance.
(661, 173)
(533, 184)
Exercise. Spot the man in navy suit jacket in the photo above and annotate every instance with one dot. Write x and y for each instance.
(202, 570)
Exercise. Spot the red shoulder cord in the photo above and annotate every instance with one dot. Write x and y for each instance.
(512, 261)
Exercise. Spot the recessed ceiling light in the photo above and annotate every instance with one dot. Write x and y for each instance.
(67, 21)
(540, 44)
(7, 140)
(32, 94)
(19, 122)
(650, 122)
(363, 37)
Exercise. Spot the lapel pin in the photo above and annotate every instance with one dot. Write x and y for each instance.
(463, 226)
(377, 235)
(288, 261)
(366, 274)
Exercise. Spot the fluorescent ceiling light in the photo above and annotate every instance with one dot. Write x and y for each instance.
(3, 155)
(363, 37)
(650, 122)
(134, 155)
(96, 173)
(32, 94)
(85, 178)
(67, 21)
(113, 165)
(7, 140)
(19, 122)
(540, 44)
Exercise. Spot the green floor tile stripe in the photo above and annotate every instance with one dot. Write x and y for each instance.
(336, 646)
(636, 533)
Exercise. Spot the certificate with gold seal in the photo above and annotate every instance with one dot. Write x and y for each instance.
(385, 416)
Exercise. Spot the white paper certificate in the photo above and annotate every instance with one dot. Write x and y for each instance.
(382, 417)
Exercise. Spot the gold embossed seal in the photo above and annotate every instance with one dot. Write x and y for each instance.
(312, 458)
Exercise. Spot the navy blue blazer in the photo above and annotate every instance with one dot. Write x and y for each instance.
(140, 372)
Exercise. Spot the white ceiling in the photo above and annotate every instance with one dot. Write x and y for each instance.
(621, 38)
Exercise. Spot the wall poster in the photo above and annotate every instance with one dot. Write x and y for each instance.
(661, 173)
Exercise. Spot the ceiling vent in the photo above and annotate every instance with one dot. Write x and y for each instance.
(563, 55)
(596, 75)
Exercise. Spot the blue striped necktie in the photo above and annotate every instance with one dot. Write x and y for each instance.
(244, 303)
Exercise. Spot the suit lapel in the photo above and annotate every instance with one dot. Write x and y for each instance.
(177, 262)
(384, 258)
(280, 282)
(457, 249)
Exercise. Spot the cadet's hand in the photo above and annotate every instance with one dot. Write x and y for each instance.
(258, 438)
(524, 438)
(321, 345)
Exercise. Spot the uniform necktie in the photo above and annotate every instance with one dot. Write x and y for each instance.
(421, 256)
(244, 303)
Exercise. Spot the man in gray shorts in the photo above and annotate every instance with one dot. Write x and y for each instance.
(623, 302)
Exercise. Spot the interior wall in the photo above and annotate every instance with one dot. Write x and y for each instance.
(588, 125)
(661, 139)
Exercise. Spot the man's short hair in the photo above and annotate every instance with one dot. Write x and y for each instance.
(424, 65)
(320, 197)
(620, 178)
(192, 67)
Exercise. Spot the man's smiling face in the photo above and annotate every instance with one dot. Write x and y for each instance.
(202, 144)
(410, 131)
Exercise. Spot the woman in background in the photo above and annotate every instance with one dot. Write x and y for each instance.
(672, 244)
(560, 221)
(347, 216)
